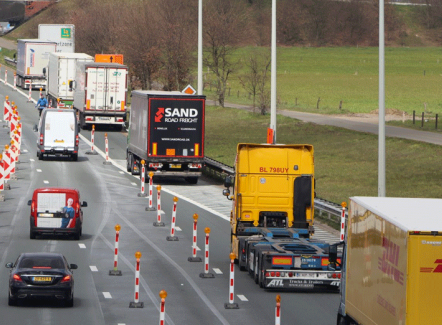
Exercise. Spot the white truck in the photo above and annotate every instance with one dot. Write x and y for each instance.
(62, 34)
(61, 70)
(392, 268)
(32, 58)
(100, 93)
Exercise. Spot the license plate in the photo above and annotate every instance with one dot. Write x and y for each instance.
(104, 118)
(59, 141)
(302, 275)
(175, 165)
(42, 279)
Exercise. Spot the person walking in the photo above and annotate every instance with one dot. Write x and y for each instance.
(42, 103)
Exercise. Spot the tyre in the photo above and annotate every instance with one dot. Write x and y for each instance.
(191, 180)
(40, 156)
(255, 271)
(70, 301)
(77, 235)
(31, 234)
(75, 157)
(260, 278)
(82, 122)
(11, 301)
(128, 162)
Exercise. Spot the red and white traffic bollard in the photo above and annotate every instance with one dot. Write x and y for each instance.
(15, 81)
(194, 258)
(92, 151)
(6, 77)
(158, 223)
(172, 225)
(342, 237)
(206, 273)
(115, 271)
(150, 207)
(231, 304)
(163, 295)
(106, 142)
(30, 93)
(142, 179)
(136, 303)
(278, 310)
(39, 95)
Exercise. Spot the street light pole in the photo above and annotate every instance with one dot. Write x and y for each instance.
(200, 47)
(273, 72)
(381, 136)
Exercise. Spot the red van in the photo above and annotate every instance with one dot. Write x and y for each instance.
(56, 210)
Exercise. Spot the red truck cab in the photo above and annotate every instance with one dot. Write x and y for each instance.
(56, 210)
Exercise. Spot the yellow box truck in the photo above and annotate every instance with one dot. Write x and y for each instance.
(392, 270)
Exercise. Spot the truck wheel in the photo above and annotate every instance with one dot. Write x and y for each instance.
(82, 122)
(261, 278)
(191, 180)
(255, 271)
(129, 162)
(40, 156)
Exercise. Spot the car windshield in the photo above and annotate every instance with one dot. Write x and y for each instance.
(41, 263)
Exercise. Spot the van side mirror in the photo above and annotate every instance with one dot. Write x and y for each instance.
(9, 265)
(73, 266)
(29, 202)
(228, 181)
(84, 204)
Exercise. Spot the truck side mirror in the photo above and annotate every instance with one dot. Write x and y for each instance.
(226, 192)
(84, 204)
(228, 181)
(44, 71)
(333, 254)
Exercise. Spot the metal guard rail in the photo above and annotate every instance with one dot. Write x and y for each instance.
(322, 205)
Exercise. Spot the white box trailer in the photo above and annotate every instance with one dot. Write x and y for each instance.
(62, 34)
(61, 71)
(392, 271)
(32, 58)
(100, 93)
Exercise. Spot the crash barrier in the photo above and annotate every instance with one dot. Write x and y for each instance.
(151, 207)
(172, 225)
(194, 258)
(163, 295)
(142, 180)
(206, 273)
(344, 204)
(107, 162)
(115, 271)
(278, 310)
(231, 304)
(136, 303)
(92, 152)
(158, 223)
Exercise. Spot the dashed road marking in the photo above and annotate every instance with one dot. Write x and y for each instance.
(242, 298)
(178, 228)
(134, 184)
(82, 245)
(38, 170)
(217, 271)
(31, 159)
(107, 295)
(93, 268)
(121, 172)
(46, 182)
(25, 150)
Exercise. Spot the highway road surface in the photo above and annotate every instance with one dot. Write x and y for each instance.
(112, 197)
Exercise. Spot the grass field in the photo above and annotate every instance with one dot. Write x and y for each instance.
(413, 77)
(346, 162)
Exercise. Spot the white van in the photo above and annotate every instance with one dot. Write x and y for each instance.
(58, 133)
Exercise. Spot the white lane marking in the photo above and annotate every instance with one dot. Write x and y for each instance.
(178, 228)
(93, 268)
(242, 298)
(46, 182)
(197, 248)
(121, 172)
(134, 184)
(107, 295)
(38, 170)
(82, 245)
(217, 271)
(25, 150)
(31, 159)
(161, 212)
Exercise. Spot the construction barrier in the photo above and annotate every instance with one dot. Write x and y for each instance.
(278, 310)
(231, 304)
(150, 207)
(92, 152)
(6, 166)
(158, 223)
(13, 153)
(206, 273)
(194, 258)
(136, 303)
(7, 109)
(30, 90)
(343, 204)
(163, 295)
(115, 271)
(142, 180)
(172, 226)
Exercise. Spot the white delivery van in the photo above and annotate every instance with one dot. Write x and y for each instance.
(58, 133)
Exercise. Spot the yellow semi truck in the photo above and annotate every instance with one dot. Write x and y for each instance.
(392, 270)
(272, 218)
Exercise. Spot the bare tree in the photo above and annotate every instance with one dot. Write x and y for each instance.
(256, 78)
(224, 24)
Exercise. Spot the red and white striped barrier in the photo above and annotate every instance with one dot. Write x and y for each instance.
(142, 179)
(13, 153)
(106, 142)
(206, 273)
(150, 207)
(115, 271)
(136, 303)
(231, 304)
(163, 295)
(15, 81)
(172, 226)
(13, 121)
(30, 92)
(6, 166)
(278, 310)
(194, 258)
(342, 237)
(158, 223)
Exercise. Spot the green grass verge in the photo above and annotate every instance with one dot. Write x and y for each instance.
(346, 162)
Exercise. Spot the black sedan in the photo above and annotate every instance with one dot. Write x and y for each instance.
(41, 275)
